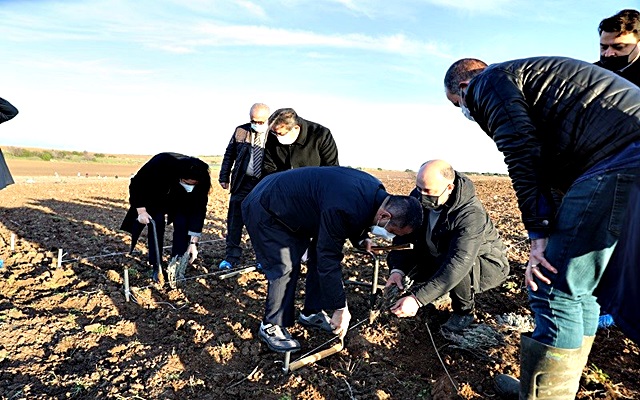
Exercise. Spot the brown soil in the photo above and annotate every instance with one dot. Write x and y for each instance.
(69, 333)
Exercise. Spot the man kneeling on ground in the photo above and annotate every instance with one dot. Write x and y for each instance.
(457, 250)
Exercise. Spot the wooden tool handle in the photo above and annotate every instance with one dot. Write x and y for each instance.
(234, 273)
(310, 359)
(406, 246)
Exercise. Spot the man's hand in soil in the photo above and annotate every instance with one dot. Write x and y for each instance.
(395, 279)
(340, 321)
(406, 307)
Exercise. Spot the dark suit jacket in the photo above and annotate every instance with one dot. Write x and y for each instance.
(330, 204)
(314, 147)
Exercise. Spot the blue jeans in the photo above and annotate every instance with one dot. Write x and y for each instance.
(583, 238)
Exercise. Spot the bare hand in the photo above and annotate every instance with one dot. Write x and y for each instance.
(193, 252)
(225, 185)
(406, 307)
(340, 322)
(395, 279)
(536, 259)
(143, 216)
(366, 244)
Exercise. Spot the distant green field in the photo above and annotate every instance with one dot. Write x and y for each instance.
(88, 157)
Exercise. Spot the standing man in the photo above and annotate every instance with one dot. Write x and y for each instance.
(565, 125)
(330, 205)
(245, 153)
(296, 142)
(7, 111)
(457, 249)
(619, 51)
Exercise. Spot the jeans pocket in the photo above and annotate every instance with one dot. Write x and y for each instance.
(620, 201)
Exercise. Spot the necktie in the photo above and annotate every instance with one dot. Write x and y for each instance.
(257, 155)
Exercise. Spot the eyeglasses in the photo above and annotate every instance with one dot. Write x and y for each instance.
(258, 122)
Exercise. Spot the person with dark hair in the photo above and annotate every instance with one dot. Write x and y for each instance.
(7, 111)
(619, 50)
(457, 250)
(329, 205)
(563, 126)
(295, 142)
(245, 152)
(175, 186)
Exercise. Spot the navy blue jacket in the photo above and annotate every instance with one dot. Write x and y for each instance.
(618, 292)
(330, 204)
(236, 157)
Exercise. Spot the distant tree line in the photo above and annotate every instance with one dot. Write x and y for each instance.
(48, 155)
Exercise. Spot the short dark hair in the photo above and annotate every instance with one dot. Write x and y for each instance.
(286, 117)
(405, 211)
(462, 70)
(624, 22)
(196, 169)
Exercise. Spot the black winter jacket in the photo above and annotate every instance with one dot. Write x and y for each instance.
(631, 72)
(156, 187)
(237, 156)
(466, 241)
(553, 118)
(314, 147)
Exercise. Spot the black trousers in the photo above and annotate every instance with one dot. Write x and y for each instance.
(180, 235)
(462, 296)
(280, 251)
(235, 223)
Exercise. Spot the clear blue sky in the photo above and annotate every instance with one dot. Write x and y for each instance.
(145, 76)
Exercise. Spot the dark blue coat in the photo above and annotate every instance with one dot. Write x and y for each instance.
(330, 204)
(619, 290)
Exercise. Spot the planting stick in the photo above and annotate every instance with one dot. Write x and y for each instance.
(287, 358)
(126, 284)
(59, 258)
(13, 241)
(234, 273)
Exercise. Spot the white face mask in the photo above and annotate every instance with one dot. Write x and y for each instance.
(289, 138)
(260, 128)
(187, 187)
(465, 110)
(382, 232)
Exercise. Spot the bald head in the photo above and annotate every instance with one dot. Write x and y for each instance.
(259, 112)
(435, 183)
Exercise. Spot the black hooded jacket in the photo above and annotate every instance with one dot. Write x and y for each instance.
(553, 118)
(466, 241)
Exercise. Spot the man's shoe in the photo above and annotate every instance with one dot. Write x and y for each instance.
(278, 338)
(259, 267)
(225, 265)
(316, 321)
(458, 322)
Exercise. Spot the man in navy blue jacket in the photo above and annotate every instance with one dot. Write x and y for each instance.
(7, 111)
(330, 205)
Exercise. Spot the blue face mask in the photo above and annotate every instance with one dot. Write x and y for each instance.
(187, 187)
(465, 110)
(382, 232)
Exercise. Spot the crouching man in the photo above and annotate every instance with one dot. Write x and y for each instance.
(457, 250)
(330, 205)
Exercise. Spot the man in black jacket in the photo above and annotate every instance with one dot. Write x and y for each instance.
(7, 111)
(619, 50)
(330, 205)
(175, 186)
(569, 126)
(296, 142)
(244, 153)
(457, 250)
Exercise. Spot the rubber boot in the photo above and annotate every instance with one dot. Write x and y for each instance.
(545, 372)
